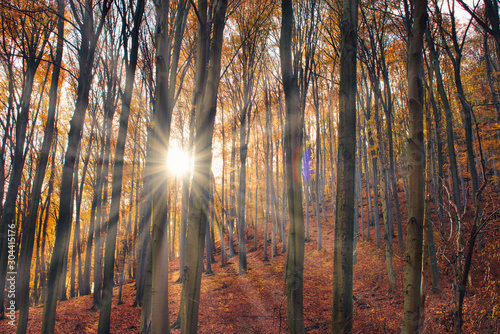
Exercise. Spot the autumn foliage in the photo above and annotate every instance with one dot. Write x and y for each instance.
(119, 118)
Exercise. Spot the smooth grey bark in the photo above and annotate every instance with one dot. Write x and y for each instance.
(456, 60)
(438, 175)
(186, 177)
(223, 255)
(100, 207)
(434, 58)
(42, 236)
(416, 169)
(156, 311)
(206, 104)
(383, 167)
(78, 196)
(185, 200)
(232, 187)
(242, 248)
(342, 301)
(116, 192)
(267, 102)
(89, 38)
(31, 54)
(26, 252)
(249, 27)
(293, 139)
(318, 160)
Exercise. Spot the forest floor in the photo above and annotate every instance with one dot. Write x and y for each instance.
(256, 302)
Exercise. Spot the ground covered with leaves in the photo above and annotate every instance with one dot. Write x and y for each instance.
(256, 301)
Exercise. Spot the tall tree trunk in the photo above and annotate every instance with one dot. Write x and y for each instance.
(429, 247)
(342, 305)
(101, 197)
(43, 233)
(376, 212)
(100, 207)
(386, 199)
(318, 160)
(416, 169)
(116, 192)
(185, 201)
(268, 176)
(223, 255)
(78, 196)
(17, 164)
(293, 140)
(76, 236)
(257, 167)
(86, 54)
(434, 57)
(242, 248)
(26, 253)
(232, 201)
(439, 144)
(306, 172)
(369, 211)
(391, 181)
(206, 106)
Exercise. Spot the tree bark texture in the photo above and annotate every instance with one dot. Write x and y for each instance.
(86, 54)
(293, 141)
(342, 304)
(416, 169)
(199, 198)
(26, 254)
(114, 215)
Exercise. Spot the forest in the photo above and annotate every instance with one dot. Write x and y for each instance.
(238, 166)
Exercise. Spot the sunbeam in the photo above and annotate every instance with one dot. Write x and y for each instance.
(178, 161)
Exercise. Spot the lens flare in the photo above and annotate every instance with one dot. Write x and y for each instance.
(178, 161)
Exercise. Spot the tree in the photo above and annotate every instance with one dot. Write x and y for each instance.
(114, 215)
(206, 107)
(436, 66)
(32, 32)
(293, 139)
(182, 15)
(456, 57)
(342, 305)
(26, 253)
(416, 169)
(251, 42)
(88, 43)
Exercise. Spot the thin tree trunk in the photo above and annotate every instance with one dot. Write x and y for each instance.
(257, 167)
(429, 249)
(369, 212)
(114, 215)
(232, 201)
(76, 255)
(386, 199)
(185, 202)
(268, 176)
(434, 57)
(318, 160)
(206, 106)
(439, 144)
(242, 248)
(17, 164)
(26, 253)
(63, 227)
(466, 106)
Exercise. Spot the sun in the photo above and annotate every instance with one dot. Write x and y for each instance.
(178, 161)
